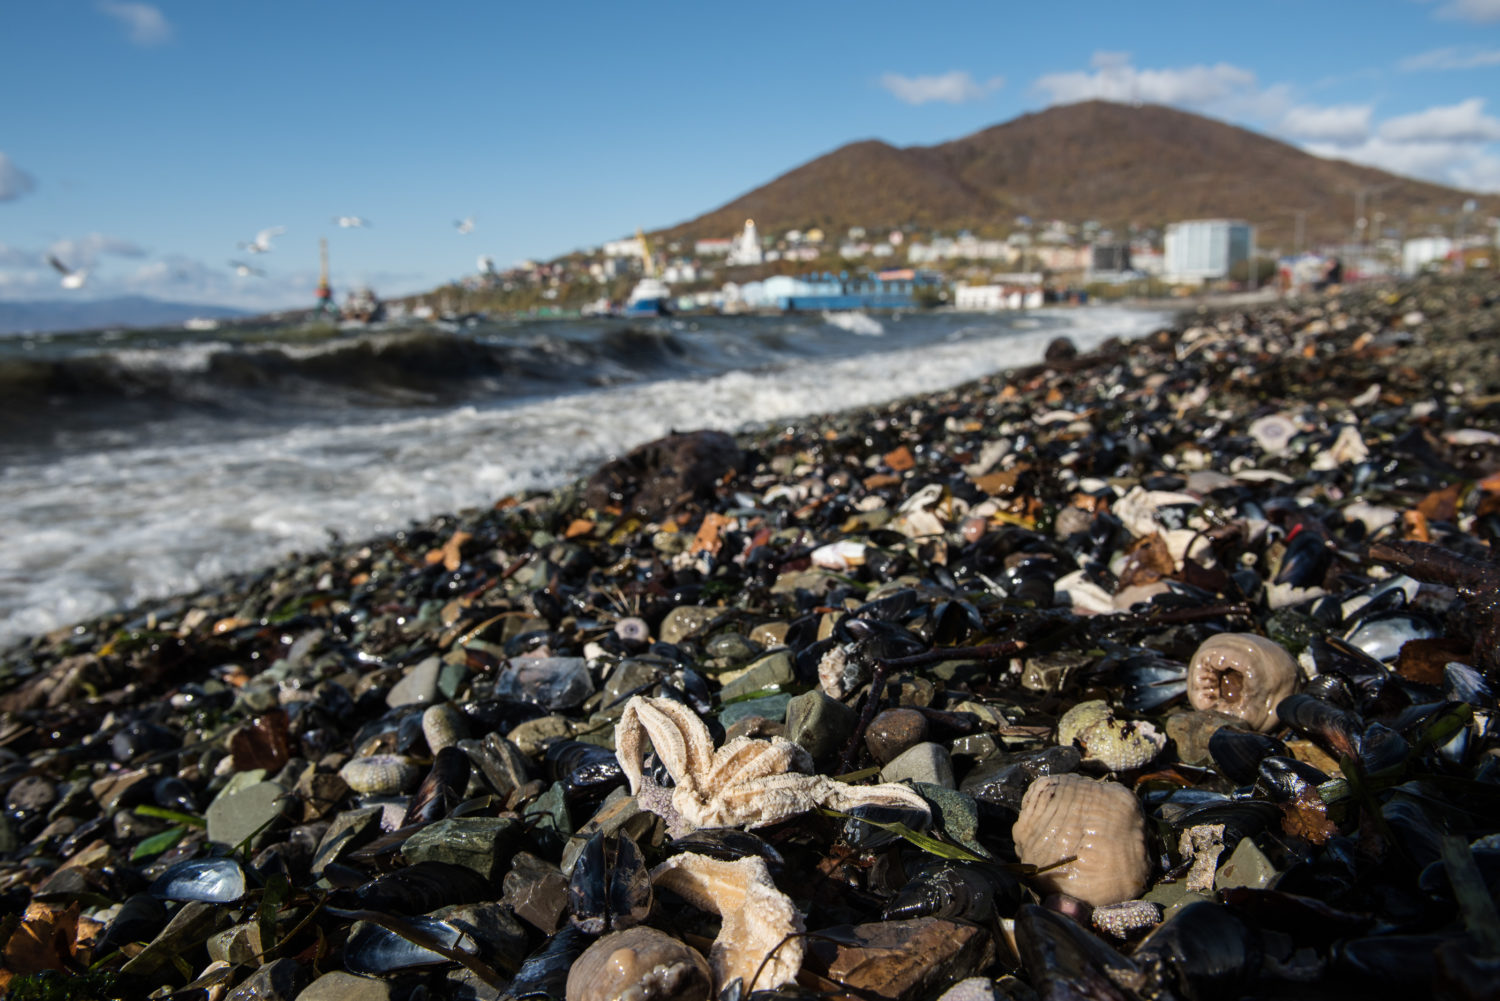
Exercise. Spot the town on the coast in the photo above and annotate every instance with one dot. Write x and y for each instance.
(1039, 262)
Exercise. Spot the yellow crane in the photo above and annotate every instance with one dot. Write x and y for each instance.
(647, 264)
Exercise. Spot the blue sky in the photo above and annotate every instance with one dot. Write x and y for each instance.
(145, 141)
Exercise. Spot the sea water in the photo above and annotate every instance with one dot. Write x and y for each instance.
(141, 464)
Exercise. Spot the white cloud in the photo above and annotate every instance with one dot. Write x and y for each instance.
(144, 23)
(1455, 58)
(1227, 90)
(1458, 164)
(1481, 11)
(85, 251)
(955, 87)
(1461, 122)
(14, 182)
(1344, 124)
(15, 257)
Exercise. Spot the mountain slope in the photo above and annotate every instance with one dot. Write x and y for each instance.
(1118, 164)
(88, 314)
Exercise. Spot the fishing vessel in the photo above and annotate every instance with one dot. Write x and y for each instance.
(651, 296)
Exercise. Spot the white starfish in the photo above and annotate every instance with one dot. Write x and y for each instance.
(760, 938)
(748, 782)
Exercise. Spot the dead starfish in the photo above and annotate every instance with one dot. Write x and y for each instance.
(748, 782)
(760, 939)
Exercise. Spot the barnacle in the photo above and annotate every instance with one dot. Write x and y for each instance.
(1116, 743)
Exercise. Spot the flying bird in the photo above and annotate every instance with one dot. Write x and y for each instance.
(262, 242)
(245, 271)
(351, 221)
(70, 278)
(465, 225)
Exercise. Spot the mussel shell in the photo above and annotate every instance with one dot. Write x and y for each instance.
(1393, 962)
(173, 793)
(1004, 783)
(1209, 952)
(544, 974)
(968, 891)
(139, 919)
(585, 770)
(1242, 818)
(442, 789)
(1382, 636)
(728, 844)
(1335, 656)
(422, 887)
(214, 880)
(1306, 559)
(1284, 778)
(610, 886)
(1337, 731)
(1238, 753)
(373, 950)
(1071, 961)
(1461, 683)
(859, 834)
(1382, 749)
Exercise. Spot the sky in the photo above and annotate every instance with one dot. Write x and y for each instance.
(144, 143)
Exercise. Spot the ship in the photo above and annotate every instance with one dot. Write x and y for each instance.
(651, 296)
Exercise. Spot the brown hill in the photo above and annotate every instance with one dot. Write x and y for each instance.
(1118, 164)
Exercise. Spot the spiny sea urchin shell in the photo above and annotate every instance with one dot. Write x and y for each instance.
(1242, 674)
(1116, 743)
(1099, 823)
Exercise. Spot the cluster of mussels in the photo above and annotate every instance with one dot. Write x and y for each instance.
(1164, 671)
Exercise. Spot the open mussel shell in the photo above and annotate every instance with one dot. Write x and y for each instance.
(610, 887)
(1338, 657)
(373, 950)
(1382, 635)
(213, 880)
(441, 790)
(1205, 951)
(1238, 753)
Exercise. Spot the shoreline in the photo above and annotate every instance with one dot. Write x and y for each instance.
(1099, 515)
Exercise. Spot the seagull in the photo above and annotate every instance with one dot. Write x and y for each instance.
(245, 271)
(262, 242)
(465, 225)
(70, 277)
(351, 221)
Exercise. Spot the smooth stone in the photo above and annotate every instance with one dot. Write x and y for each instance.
(189, 927)
(1049, 673)
(1247, 866)
(419, 686)
(772, 672)
(532, 736)
(451, 679)
(926, 762)
(319, 793)
(109, 790)
(483, 844)
(30, 794)
(771, 707)
(463, 984)
(821, 725)
(630, 675)
(349, 830)
(278, 980)
(537, 891)
(238, 814)
(899, 960)
(731, 647)
(893, 732)
(769, 634)
(972, 989)
(954, 813)
(341, 986)
(686, 621)
(239, 945)
(622, 813)
(975, 745)
(549, 811)
(1190, 730)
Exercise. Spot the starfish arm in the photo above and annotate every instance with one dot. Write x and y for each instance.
(679, 736)
(769, 800)
(745, 759)
(845, 797)
(759, 920)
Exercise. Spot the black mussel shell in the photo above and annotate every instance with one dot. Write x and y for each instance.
(610, 887)
(1004, 782)
(544, 974)
(1207, 951)
(1072, 961)
(1242, 818)
(422, 887)
(584, 769)
(1382, 636)
(728, 844)
(1335, 656)
(373, 949)
(862, 835)
(173, 793)
(1238, 753)
(139, 919)
(1406, 963)
(1285, 779)
(1337, 731)
(1382, 749)
(442, 789)
(967, 891)
(215, 880)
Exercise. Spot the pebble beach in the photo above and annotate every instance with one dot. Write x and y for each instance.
(1158, 669)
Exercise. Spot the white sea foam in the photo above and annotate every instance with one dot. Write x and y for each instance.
(856, 323)
(96, 531)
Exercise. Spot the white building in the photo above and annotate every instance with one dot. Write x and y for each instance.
(1422, 251)
(714, 247)
(624, 248)
(1203, 249)
(746, 249)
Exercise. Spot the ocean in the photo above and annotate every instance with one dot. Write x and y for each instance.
(138, 464)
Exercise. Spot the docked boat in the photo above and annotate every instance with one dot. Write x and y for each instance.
(650, 297)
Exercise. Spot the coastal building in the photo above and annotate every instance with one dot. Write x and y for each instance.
(632, 247)
(1419, 253)
(825, 290)
(1199, 250)
(717, 247)
(747, 249)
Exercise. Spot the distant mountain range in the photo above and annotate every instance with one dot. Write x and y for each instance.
(1118, 164)
(89, 314)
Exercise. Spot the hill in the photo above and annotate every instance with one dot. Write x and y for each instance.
(1115, 163)
(39, 316)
